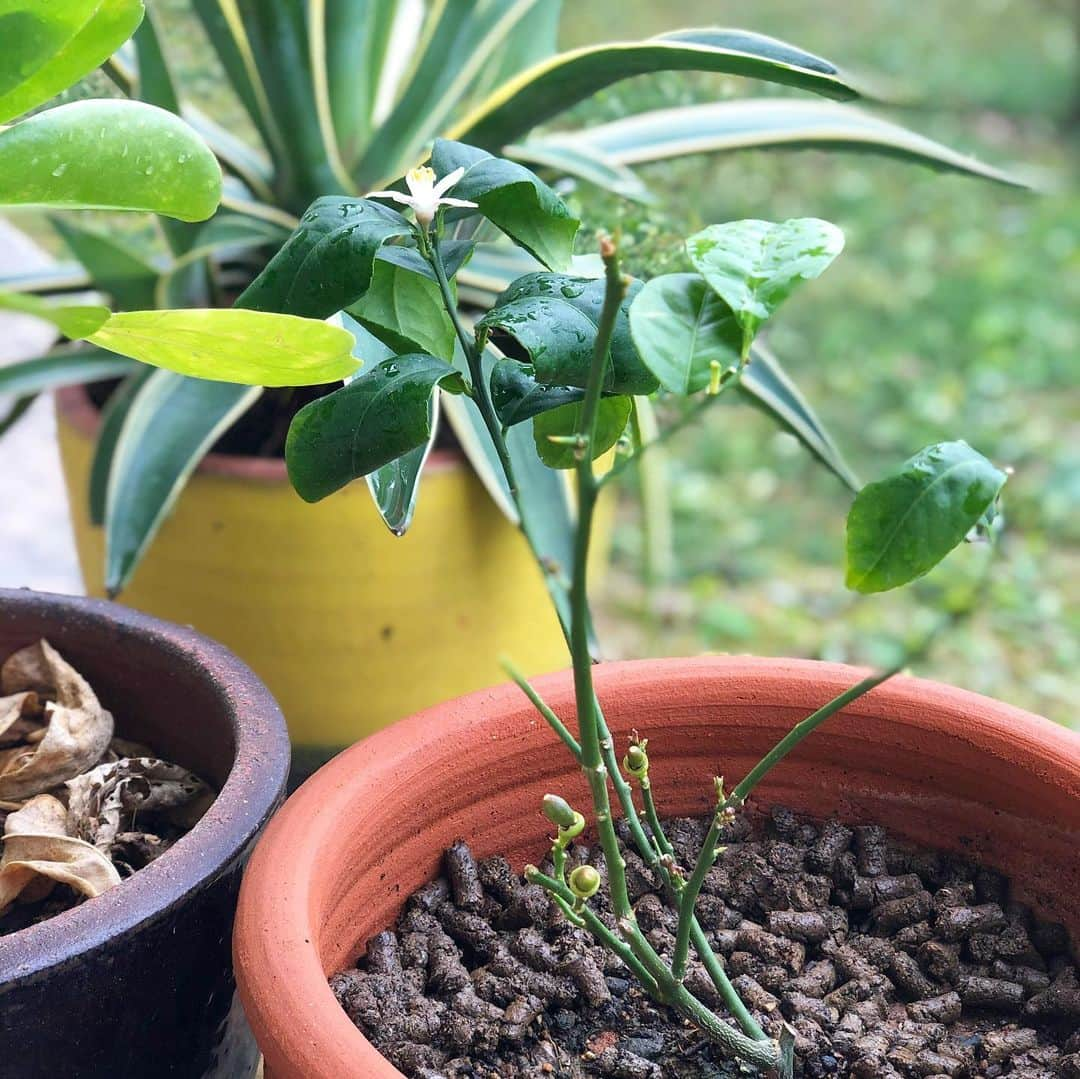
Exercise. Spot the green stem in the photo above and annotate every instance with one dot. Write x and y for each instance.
(688, 897)
(660, 840)
(542, 707)
(797, 733)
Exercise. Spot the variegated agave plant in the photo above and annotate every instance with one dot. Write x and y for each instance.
(344, 96)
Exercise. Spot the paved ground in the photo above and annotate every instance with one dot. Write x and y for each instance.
(36, 548)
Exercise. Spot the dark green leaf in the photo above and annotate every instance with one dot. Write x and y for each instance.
(612, 416)
(681, 328)
(116, 266)
(554, 317)
(403, 306)
(396, 486)
(328, 262)
(901, 527)
(378, 417)
(517, 396)
(168, 428)
(766, 385)
(512, 198)
(109, 155)
(557, 84)
(12, 415)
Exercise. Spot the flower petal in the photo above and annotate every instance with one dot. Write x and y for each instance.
(449, 180)
(397, 196)
(463, 204)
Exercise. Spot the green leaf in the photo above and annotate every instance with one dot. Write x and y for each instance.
(765, 384)
(11, 416)
(116, 266)
(109, 155)
(555, 85)
(156, 83)
(554, 317)
(113, 416)
(328, 262)
(756, 265)
(901, 527)
(50, 278)
(403, 305)
(169, 426)
(612, 415)
(395, 486)
(575, 157)
(255, 348)
(50, 46)
(68, 366)
(512, 198)
(763, 123)
(681, 328)
(517, 396)
(72, 320)
(372, 421)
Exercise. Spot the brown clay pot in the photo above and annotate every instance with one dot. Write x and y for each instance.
(936, 765)
(138, 982)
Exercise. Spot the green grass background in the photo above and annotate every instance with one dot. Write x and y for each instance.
(951, 313)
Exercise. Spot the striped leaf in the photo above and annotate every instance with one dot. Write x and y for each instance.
(555, 85)
(578, 159)
(763, 123)
(117, 267)
(66, 366)
(170, 425)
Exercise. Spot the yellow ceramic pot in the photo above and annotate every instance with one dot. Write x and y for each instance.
(351, 627)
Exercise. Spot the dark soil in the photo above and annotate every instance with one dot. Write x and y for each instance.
(887, 961)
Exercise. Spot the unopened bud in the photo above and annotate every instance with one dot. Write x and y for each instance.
(558, 811)
(636, 761)
(585, 881)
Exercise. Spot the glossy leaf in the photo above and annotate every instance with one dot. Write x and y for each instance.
(512, 198)
(328, 262)
(259, 348)
(612, 416)
(239, 159)
(396, 486)
(756, 265)
(109, 155)
(763, 123)
(116, 266)
(680, 328)
(901, 527)
(517, 396)
(375, 419)
(403, 306)
(563, 81)
(50, 46)
(113, 416)
(168, 428)
(68, 366)
(72, 320)
(553, 318)
(766, 385)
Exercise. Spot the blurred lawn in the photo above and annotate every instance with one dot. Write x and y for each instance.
(952, 313)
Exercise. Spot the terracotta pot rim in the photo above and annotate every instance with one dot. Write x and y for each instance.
(74, 404)
(288, 979)
(254, 784)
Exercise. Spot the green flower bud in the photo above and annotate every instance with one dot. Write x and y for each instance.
(585, 881)
(636, 761)
(558, 811)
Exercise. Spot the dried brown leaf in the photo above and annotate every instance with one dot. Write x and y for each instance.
(19, 716)
(37, 846)
(112, 797)
(78, 729)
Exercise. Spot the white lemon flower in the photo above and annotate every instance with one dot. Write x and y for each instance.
(425, 195)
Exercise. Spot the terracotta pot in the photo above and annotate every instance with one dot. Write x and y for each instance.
(936, 765)
(322, 601)
(138, 982)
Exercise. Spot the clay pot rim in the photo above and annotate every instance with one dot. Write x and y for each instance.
(298, 831)
(74, 404)
(254, 784)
